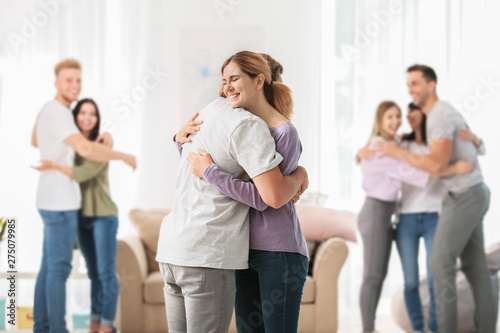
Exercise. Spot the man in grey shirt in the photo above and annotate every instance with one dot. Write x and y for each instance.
(459, 232)
(206, 236)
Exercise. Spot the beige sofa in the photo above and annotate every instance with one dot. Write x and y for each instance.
(141, 305)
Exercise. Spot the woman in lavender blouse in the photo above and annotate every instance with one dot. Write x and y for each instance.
(382, 180)
(268, 293)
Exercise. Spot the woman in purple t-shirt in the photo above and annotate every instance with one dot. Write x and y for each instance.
(268, 293)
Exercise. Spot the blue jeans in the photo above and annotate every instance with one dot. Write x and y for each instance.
(269, 292)
(408, 232)
(59, 234)
(97, 242)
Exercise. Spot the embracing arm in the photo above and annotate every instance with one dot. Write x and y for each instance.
(240, 190)
(97, 152)
(270, 188)
(80, 173)
(178, 145)
(460, 167)
(192, 126)
(467, 135)
(276, 189)
(46, 165)
(435, 162)
(34, 141)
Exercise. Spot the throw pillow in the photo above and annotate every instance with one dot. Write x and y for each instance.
(147, 223)
(319, 223)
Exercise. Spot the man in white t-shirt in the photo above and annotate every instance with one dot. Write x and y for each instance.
(58, 196)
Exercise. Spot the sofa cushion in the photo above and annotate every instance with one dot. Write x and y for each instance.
(147, 223)
(319, 223)
(309, 291)
(153, 289)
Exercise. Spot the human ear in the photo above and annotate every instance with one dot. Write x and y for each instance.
(432, 85)
(260, 80)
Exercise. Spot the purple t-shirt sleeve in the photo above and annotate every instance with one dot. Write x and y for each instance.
(178, 146)
(243, 191)
(289, 146)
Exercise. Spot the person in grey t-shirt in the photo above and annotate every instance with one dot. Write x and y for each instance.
(459, 232)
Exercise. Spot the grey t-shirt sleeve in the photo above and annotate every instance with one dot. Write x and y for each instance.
(441, 123)
(253, 147)
(61, 122)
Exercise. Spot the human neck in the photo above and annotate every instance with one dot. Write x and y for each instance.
(429, 104)
(418, 137)
(262, 109)
(86, 134)
(63, 101)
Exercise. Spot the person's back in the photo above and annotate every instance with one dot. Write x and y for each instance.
(443, 121)
(206, 228)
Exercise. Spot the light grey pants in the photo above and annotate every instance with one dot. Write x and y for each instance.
(459, 234)
(374, 224)
(198, 299)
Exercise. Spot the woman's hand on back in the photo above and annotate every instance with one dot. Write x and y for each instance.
(192, 126)
(365, 154)
(463, 167)
(130, 160)
(43, 165)
(199, 163)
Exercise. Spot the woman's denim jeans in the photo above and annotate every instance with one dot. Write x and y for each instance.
(97, 241)
(408, 232)
(269, 292)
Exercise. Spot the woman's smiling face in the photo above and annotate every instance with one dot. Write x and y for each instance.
(87, 117)
(391, 121)
(239, 88)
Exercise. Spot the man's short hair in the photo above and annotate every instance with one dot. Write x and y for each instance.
(67, 63)
(428, 73)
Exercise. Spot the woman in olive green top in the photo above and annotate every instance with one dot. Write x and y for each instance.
(97, 223)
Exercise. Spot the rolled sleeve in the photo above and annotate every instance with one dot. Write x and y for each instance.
(253, 147)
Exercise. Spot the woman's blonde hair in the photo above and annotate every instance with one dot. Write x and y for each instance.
(379, 115)
(278, 95)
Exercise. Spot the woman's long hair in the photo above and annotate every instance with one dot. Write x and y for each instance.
(277, 94)
(94, 133)
(423, 127)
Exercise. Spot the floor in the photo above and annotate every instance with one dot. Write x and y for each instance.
(347, 324)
